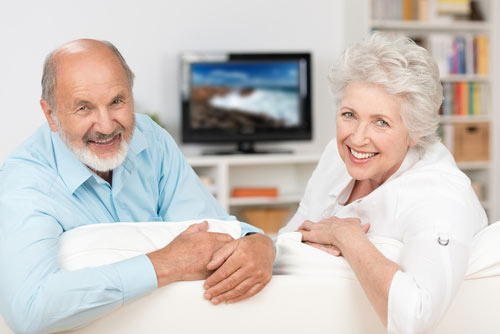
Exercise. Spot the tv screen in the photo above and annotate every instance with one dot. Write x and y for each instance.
(244, 98)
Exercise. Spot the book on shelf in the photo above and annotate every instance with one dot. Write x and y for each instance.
(481, 54)
(255, 192)
(453, 7)
(426, 10)
(462, 54)
(464, 99)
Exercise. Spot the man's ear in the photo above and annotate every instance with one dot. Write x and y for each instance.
(47, 110)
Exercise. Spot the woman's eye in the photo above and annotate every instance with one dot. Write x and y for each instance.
(348, 114)
(382, 123)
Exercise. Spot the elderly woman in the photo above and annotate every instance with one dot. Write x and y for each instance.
(387, 172)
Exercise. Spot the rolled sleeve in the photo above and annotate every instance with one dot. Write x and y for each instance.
(409, 306)
(247, 228)
(137, 275)
(421, 292)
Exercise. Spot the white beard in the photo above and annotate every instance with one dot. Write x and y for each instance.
(90, 159)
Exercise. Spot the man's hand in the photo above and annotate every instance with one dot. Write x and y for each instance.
(187, 256)
(244, 266)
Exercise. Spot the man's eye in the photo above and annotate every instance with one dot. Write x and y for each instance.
(82, 108)
(117, 101)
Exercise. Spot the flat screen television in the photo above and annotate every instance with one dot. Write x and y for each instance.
(244, 98)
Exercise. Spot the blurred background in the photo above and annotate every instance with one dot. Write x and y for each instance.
(463, 35)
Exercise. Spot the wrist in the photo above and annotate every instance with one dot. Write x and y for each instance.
(164, 269)
(347, 240)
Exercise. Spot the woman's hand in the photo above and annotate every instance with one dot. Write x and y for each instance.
(373, 270)
(332, 233)
(330, 249)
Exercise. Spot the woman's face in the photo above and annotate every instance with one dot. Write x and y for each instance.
(371, 137)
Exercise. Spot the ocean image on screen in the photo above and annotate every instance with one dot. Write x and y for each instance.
(244, 95)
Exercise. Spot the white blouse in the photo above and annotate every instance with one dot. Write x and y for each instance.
(428, 205)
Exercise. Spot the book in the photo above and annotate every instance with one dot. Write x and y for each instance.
(254, 192)
(477, 99)
(470, 101)
(457, 99)
(469, 54)
(447, 106)
(482, 54)
(464, 94)
(453, 7)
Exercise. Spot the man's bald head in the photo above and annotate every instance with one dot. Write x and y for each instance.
(54, 59)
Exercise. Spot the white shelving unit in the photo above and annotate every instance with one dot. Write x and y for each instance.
(289, 173)
(429, 27)
(481, 171)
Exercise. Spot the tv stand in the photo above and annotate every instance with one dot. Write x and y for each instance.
(288, 173)
(247, 147)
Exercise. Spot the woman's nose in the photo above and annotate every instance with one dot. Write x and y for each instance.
(360, 135)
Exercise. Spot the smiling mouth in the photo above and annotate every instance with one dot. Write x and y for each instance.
(361, 155)
(105, 142)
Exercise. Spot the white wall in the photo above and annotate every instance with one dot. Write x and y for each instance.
(151, 34)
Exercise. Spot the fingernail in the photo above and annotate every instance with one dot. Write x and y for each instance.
(214, 301)
(207, 296)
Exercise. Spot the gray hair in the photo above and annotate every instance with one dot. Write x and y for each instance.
(403, 69)
(51, 65)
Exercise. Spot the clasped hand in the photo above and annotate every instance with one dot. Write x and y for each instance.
(234, 269)
(330, 234)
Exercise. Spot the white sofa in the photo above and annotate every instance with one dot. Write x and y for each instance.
(310, 290)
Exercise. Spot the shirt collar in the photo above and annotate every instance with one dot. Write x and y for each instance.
(137, 145)
(74, 173)
(412, 156)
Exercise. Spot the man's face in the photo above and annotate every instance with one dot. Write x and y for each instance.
(94, 108)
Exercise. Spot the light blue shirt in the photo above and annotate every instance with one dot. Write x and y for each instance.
(45, 191)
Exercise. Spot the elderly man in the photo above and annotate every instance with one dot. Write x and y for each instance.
(96, 161)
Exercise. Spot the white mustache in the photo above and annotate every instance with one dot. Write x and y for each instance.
(93, 136)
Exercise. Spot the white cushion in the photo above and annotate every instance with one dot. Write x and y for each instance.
(99, 244)
(317, 295)
(484, 260)
(297, 258)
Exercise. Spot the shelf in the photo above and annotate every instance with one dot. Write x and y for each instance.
(253, 159)
(465, 77)
(474, 165)
(287, 172)
(464, 119)
(434, 34)
(413, 27)
(249, 201)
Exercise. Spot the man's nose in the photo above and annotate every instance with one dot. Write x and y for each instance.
(104, 122)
